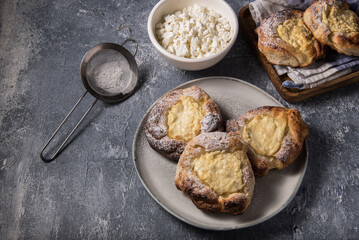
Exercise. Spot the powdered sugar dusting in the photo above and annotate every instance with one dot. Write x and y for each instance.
(109, 72)
(234, 98)
(108, 76)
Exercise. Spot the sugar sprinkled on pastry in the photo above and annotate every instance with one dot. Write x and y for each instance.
(215, 173)
(334, 24)
(275, 136)
(285, 40)
(178, 117)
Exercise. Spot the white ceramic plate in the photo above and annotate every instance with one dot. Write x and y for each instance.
(272, 193)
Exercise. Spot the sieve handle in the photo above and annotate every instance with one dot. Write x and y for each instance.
(131, 40)
(60, 126)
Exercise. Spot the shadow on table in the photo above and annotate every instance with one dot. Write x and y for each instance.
(65, 131)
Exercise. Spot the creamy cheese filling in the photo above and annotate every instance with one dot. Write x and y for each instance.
(220, 170)
(295, 33)
(265, 134)
(184, 119)
(340, 20)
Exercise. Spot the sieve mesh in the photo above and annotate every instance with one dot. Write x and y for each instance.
(108, 73)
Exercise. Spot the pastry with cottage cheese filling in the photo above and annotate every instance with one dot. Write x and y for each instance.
(285, 40)
(334, 24)
(215, 173)
(180, 116)
(275, 136)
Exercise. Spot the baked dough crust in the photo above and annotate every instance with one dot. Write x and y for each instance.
(348, 42)
(201, 194)
(297, 131)
(280, 52)
(156, 126)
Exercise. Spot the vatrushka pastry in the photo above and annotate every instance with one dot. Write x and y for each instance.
(275, 136)
(215, 173)
(285, 40)
(333, 24)
(178, 117)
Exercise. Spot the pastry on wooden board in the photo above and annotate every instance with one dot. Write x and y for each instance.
(275, 136)
(333, 24)
(215, 173)
(285, 40)
(178, 117)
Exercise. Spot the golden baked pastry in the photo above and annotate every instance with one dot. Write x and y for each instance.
(275, 136)
(178, 117)
(215, 173)
(333, 24)
(285, 40)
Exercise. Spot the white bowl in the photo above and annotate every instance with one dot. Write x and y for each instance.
(164, 7)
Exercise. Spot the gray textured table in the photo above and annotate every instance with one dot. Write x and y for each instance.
(92, 189)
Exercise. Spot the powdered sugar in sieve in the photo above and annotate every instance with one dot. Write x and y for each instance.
(108, 76)
(109, 72)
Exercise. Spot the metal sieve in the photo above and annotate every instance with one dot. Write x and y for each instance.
(109, 72)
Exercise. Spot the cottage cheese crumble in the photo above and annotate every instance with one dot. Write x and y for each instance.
(194, 32)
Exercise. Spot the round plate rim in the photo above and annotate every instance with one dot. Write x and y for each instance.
(261, 220)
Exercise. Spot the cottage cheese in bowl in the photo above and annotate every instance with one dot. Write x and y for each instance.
(194, 32)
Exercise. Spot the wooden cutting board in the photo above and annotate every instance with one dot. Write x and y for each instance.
(248, 26)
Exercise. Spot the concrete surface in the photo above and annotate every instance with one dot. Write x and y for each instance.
(92, 190)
